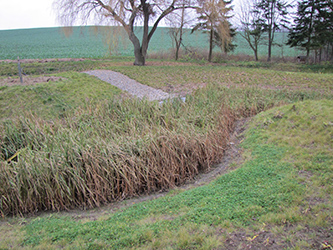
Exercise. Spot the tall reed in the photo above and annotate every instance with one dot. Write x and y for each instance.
(117, 149)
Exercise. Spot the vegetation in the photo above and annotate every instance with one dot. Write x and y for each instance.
(124, 13)
(313, 28)
(272, 16)
(213, 19)
(251, 25)
(92, 42)
(105, 146)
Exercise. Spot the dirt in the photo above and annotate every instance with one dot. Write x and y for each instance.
(265, 238)
(182, 90)
(44, 60)
(12, 81)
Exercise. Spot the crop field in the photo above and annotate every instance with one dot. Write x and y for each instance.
(84, 165)
(100, 42)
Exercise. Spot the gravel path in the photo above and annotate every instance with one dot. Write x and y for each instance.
(131, 86)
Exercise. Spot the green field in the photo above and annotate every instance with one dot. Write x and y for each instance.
(89, 42)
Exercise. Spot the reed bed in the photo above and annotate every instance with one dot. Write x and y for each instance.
(113, 150)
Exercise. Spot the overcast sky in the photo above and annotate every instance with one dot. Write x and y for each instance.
(18, 14)
(22, 14)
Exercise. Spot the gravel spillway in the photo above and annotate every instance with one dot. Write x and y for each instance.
(131, 86)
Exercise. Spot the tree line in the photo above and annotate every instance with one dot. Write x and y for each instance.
(309, 28)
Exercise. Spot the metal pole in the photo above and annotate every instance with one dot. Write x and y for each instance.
(19, 69)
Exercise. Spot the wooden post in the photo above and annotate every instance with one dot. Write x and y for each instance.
(19, 69)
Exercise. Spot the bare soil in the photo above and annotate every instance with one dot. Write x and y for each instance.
(27, 80)
(44, 60)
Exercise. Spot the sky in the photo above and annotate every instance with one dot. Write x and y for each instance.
(23, 14)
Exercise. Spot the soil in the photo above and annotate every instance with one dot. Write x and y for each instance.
(11, 81)
(44, 60)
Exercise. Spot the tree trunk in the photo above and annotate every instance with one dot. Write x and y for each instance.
(307, 54)
(140, 58)
(256, 55)
(270, 30)
(269, 46)
(210, 45)
(177, 50)
(180, 34)
(145, 40)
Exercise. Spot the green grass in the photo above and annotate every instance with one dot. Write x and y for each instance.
(249, 192)
(283, 186)
(266, 188)
(52, 99)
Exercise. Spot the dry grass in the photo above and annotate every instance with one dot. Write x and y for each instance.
(105, 153)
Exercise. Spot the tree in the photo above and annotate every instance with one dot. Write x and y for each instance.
(252, 28)
(323, 28)
(177, 21)
(313, 27)
(272, 15)
(126, 13)
(214, 19)
(225, 45)
(302, 34)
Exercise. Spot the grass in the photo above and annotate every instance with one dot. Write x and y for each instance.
(282, 189)
(266, 192)
(52, 67)
(238, 197)
(52, 99)
(148, 147)
(164, 76)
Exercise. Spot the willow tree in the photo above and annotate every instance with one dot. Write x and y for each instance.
(213, 18)
(126, 13)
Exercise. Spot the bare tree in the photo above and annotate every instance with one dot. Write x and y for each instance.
(126, 13)
(177, 22)
(252, 29)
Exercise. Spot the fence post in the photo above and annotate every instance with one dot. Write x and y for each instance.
(19, 69)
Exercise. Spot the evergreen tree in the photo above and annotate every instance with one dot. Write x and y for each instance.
(323, 28)
(273, 16)
(302, 34)
(313, 28)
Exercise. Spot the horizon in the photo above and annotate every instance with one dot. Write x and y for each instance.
(42, 14)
